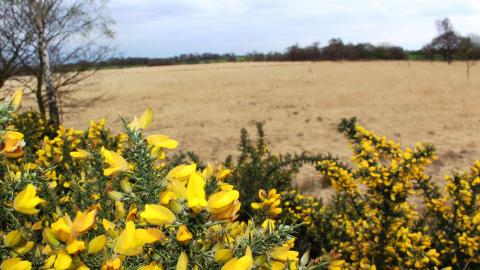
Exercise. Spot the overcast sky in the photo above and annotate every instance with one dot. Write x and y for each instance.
(161, 28)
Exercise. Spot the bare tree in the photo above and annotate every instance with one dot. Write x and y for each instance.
(14, 39)
(39, 11)
(67, 43)
(469, 51)
(447, 41)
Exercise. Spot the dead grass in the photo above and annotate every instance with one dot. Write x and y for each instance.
(204, 106)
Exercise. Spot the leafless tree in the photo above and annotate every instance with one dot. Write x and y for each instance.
(447, 41)
(469, 51)
(14, 40)
(67, 42)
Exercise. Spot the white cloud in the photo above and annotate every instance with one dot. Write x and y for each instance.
(170, 27)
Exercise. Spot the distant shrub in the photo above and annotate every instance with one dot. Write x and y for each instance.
(257, 168)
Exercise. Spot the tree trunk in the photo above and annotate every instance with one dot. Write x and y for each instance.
(53, 112)
(468, 71)
(39, 97)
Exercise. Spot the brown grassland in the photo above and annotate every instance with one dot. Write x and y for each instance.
(205, 106)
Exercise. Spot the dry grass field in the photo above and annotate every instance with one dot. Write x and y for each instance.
(205, 106)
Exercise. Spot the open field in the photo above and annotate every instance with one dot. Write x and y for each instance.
(205, 106)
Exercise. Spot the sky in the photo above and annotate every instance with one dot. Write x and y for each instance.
(163, 28)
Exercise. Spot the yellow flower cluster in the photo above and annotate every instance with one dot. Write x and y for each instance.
(374, 225)
(92, 200)
(455, 217)
(301, 208)
(269, 204)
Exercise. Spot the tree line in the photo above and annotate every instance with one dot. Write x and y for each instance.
(335, 50)
(192, 58)
(447, 45)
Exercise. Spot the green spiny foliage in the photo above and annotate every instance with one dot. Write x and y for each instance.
(257, 168)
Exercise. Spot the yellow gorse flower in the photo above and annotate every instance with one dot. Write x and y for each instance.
(222, 255)
(16, 98)
(12, 238)
(80, 154)
(112, 264)
(12, 144)
(15, 264)
(130, 242)
(83, 221)
(284, 254)
(336, 265)
(126, 243)
(75, 246)
(67, 230)
(149, 235)
(26, 201)
(51, 237)
(143, 122)
(116, 161)
(224, 204)
(268, 225)
(97, 244)
(219, 172)
(196, 193)
(184, 235)
(61, 228)
(62, 261)
(48, 263)
(158, 215)
(107, 225)
(159, 142)
(167, 196)
(22, 250)
(182, 172)
(242, 263)
(177, 188)
(182, 262)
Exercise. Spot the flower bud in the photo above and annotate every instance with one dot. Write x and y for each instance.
(222, 255)
(25, 248)
(115, 195)
(13, 238)
(126, 186)
(97, 244)
(49, 236)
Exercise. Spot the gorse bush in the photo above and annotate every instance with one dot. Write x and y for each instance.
(95, 200)
(379, 228)
(370, 223)
(373, 225)
(257, 168)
